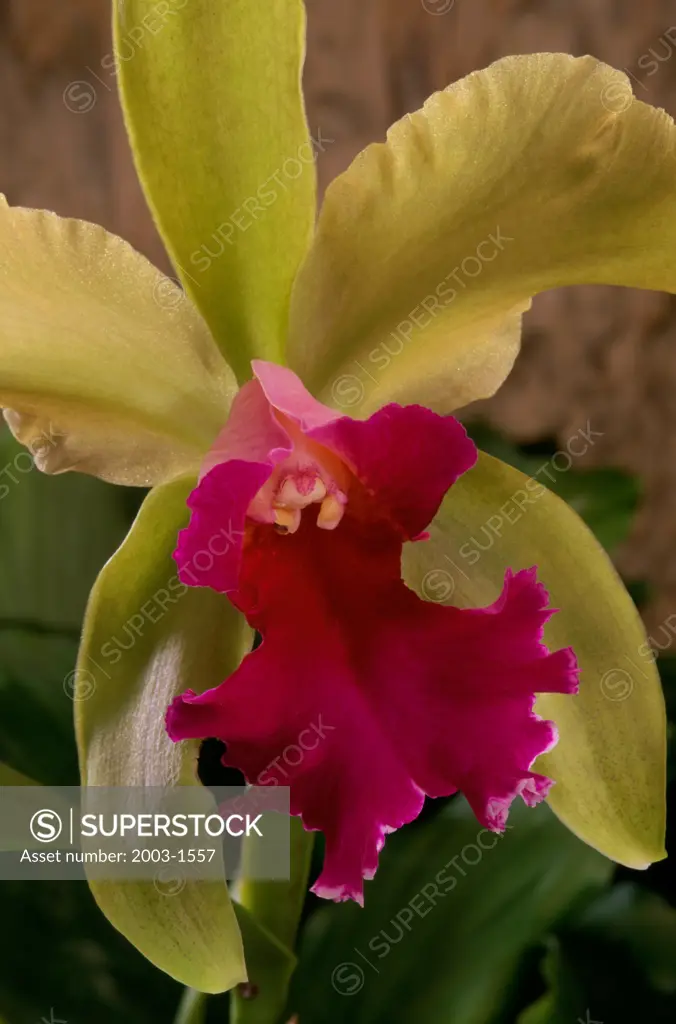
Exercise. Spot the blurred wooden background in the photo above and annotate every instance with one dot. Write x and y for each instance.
(591, 354)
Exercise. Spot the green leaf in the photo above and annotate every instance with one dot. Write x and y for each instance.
(664, 637)
(147, 638)
(215, 113)
(564, 1000)
(9, 777)
(617, 959)
(36, 710)
(539, 171)
(609, 764)
(59, 951)
(105, 366)
(54, 536)
(446, 921)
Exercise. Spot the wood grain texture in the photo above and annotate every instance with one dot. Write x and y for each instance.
(62, 142)
(598, 355)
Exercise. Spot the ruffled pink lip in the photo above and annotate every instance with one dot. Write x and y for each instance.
(414, 698)
(403, 459)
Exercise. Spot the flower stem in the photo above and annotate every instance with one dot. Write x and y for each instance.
(192, 1008)
(269, 929)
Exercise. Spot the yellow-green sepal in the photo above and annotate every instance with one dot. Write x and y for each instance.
(106, 367)
(148, 637)
(214, 107)
(609, 763)
(539, 171)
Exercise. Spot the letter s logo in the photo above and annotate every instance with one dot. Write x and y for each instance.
(46, 826)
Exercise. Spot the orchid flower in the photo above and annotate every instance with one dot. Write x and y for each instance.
(291, 407)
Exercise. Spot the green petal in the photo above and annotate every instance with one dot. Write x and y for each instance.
(105, 366)
(180, 637)
(609, 764)
(539, 171)
(213, 101)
